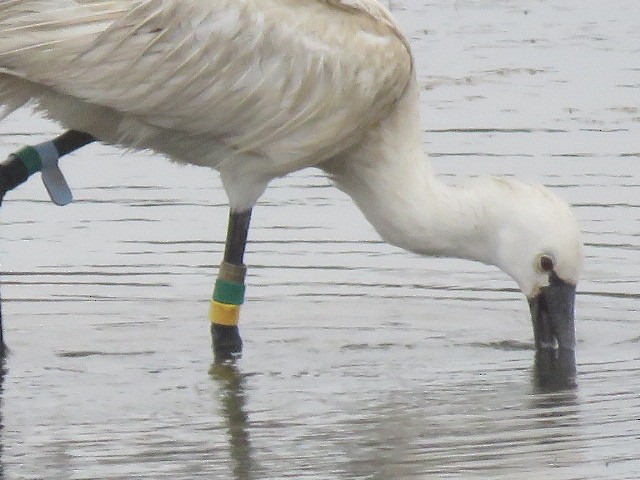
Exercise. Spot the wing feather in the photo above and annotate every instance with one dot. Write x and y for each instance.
(286, 79)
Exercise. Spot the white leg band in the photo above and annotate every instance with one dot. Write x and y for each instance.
(48, 154)
(52, 176)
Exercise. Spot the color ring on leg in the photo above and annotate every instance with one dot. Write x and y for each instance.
(224, 314)
(231, 293)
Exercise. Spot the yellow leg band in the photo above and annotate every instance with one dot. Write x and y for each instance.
(224, 314)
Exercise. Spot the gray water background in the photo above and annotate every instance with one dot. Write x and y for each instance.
(361, 361)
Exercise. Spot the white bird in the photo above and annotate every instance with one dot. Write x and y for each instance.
(257, 89)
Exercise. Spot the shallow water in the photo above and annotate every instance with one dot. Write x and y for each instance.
(361, 360)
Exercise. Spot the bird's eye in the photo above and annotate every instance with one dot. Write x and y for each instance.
(546, 263)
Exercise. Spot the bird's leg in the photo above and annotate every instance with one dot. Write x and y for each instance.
(228, 293)
(31, 159)
(44, 157)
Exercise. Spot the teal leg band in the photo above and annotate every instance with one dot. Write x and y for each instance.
(230, 293)
(31, 159)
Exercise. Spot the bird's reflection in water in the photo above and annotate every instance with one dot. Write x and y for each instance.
(555, 406)
(232, 387)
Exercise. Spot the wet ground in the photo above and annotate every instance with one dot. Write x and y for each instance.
(361, 360)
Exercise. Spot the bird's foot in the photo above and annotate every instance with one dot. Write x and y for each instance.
(226, 343)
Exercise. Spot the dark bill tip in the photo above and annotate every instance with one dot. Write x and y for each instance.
(552, 315)
(555, 370)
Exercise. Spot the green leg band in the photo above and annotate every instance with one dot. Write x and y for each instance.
(231, 293)
(31, 159)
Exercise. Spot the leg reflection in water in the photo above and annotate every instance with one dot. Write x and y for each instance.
(232, 382)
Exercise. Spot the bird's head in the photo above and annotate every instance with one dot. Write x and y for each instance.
(539, 246)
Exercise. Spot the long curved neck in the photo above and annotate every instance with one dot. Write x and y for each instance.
(389, 178)
(417, 212)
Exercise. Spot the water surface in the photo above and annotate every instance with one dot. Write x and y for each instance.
(361, 360)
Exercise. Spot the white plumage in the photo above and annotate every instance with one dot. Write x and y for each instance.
(255, 89)
(260, 88)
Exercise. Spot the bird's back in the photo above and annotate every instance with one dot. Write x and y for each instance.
(292, 82)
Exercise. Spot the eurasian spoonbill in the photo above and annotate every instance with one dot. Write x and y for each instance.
(257, 89)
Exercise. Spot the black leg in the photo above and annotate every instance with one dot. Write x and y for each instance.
(228, 294)
(13, 172)
(72, 140)
(29, 160)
